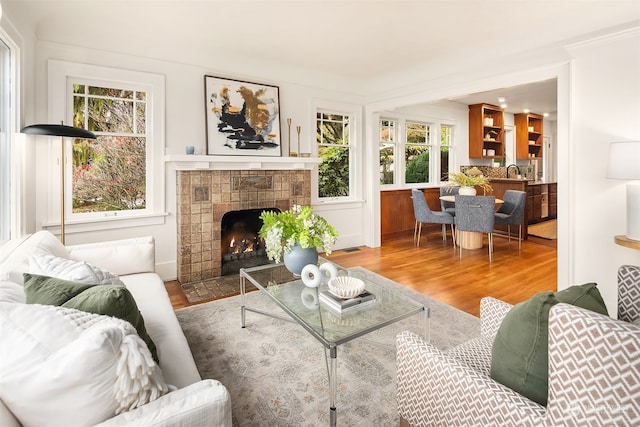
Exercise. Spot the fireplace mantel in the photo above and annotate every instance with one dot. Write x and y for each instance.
(201, 162)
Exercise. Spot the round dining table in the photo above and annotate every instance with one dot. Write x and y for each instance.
(470, 239)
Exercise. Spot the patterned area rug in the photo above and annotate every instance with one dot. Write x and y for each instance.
(276, 372)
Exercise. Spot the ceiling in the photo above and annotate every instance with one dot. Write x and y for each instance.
(349, 40)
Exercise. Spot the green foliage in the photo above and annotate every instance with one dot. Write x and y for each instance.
(333, 173)
(418, 169)
(281, 230)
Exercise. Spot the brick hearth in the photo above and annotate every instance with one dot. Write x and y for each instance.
(204, 196)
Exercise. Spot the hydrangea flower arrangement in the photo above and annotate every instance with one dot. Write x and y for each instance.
(282, 230)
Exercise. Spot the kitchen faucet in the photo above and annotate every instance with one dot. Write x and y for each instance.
(517, 169)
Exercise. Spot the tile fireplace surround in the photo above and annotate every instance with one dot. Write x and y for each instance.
(204, 196)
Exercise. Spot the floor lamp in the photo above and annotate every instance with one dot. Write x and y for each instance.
(62, 131)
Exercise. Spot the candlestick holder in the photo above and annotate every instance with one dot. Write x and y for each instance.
(298, 129)
(291, 152)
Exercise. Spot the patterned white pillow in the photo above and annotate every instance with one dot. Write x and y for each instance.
(75, 271)
(63, 367)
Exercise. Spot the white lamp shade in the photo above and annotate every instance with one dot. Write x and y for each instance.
(624, 160)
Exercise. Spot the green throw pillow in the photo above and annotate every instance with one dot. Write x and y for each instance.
(110, 300)
(520, 358)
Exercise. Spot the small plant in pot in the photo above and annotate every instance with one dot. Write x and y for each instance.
(299, 228)
(468, 180)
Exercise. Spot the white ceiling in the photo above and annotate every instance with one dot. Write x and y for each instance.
(348, 39)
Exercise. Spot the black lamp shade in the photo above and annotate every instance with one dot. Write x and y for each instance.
(58, 130)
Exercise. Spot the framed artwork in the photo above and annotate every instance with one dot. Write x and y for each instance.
(243, 118)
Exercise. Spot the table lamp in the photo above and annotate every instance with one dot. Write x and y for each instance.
(624, 163)
(61, 131)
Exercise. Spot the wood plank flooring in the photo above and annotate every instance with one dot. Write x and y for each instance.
(436, 270)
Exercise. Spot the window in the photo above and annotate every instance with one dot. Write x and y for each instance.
(416, 152)
(6, 115)
(427, 149)
(109, 174)
(335, 149)
(388, 150)
(446, 148)
(120, 175)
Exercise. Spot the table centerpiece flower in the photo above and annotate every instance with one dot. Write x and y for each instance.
(470, 179)
(298, 226)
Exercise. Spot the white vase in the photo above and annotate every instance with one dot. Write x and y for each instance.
(467, 191)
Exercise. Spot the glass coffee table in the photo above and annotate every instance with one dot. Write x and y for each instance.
(303, 306)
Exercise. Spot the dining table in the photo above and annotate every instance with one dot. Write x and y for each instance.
(469, 239)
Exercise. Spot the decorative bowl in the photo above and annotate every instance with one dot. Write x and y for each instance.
(346, 286)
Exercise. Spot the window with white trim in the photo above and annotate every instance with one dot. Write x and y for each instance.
(428, 152)
(109, 173)
(120, 175)
(388, 149)
(6, 115)
(446, 151)
(335, 148)
(417, 150)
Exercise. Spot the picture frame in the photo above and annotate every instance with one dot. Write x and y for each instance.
(242, 118)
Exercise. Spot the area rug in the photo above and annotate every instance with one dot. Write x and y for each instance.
(546, 230)
(276, 372)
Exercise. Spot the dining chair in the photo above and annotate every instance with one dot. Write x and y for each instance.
(475, 214)
(424, 215)
(511, 212)
(448, 207)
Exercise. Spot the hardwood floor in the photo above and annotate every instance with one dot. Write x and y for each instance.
(435, 269)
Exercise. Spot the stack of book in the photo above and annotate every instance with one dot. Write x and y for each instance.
(343, 304)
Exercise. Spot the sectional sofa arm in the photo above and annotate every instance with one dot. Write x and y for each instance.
(121, 257)
(492, 312)
(206, 403)
(594, 369)
(436, 389)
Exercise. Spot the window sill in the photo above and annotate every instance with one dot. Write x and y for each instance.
(108, 223)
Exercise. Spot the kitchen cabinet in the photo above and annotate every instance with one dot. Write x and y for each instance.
(486, 131)
(553, 200)
(542, 202)
(396, 213)
(529, 132)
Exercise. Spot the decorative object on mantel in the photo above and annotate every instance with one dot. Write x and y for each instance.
(624, 163)
(62, 131)
(291, 152)
(243, 118)
(299, 234)
(468, 180)
(298, 129)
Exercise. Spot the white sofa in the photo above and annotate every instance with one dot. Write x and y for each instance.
(195, 402)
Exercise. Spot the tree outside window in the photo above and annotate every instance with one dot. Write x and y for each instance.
(109, 174)
(387, 149)
(416, 153)
(446, 141)
(334, 148)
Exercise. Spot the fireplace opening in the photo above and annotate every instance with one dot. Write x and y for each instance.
(241, 246)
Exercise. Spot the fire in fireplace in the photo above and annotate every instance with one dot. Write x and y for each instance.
(241, 246)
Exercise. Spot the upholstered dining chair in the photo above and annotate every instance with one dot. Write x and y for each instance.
(511, 212)
(448, 207)
(475, 214)
(424, 215)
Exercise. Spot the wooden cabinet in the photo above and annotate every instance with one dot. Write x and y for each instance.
(396, 213)
(553, 200)
(529, 130)
(486, 131)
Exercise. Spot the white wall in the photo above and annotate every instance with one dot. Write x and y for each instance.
(605, 107)
(185, 125)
